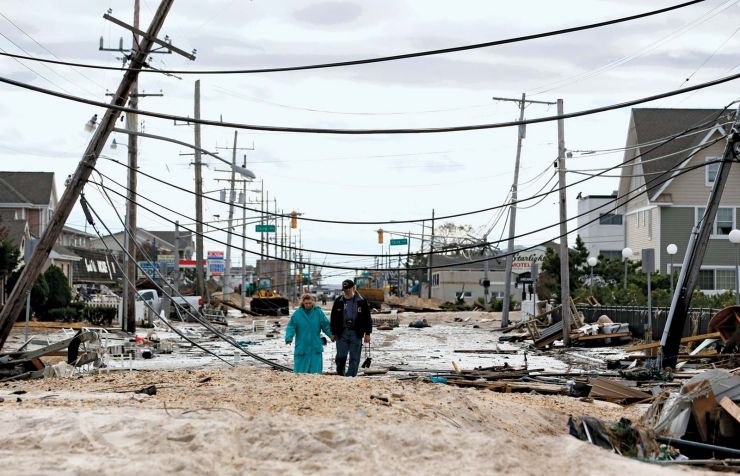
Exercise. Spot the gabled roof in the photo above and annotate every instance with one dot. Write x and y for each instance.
(652, 126)
(15, 230)
(33, 188)
(169, 236)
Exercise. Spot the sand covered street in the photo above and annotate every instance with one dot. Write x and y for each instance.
(255, 421)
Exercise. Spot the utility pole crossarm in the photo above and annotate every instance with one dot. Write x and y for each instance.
(167, 45)
(50, 235)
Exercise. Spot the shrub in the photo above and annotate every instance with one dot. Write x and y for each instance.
(101, 316)
(60, 294)
(65, 314)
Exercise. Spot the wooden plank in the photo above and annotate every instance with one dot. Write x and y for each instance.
(730, 407)
(685, 340)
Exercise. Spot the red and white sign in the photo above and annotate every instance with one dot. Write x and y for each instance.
(215, 255)
(190, 263)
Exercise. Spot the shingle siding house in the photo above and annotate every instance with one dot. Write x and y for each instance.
(667, 202)
(32, 195)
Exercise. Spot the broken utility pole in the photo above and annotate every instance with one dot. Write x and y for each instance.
(50, 235)
(689, 275)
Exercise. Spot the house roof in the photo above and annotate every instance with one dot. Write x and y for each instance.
(453, 263)
(15, 230)
(654, 125)
(169, 236)
(33, 188)
(75, 231)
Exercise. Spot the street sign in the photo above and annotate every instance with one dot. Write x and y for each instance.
(147, 269)
(215, 255)
(265, 228)
(399, 241)
(526, 280)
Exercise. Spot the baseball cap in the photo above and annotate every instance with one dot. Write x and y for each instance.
(348, 283)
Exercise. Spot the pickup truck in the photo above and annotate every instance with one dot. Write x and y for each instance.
(153, 297)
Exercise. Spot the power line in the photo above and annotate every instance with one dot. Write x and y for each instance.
(613, 64)
(713, 117)
(402, 56)
(499, 256)
(675, 169)
(431, 130)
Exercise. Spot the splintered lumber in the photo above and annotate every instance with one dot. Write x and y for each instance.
(613, 391)
(685, 340)
(508, 387)
(730, 407)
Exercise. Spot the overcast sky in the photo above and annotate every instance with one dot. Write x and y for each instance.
(368, 177)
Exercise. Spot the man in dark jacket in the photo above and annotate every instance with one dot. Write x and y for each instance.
(350, 325)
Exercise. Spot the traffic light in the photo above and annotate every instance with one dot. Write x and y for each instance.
(380, 236)
(294, 220)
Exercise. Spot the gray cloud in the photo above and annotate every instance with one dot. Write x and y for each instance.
(329, 13)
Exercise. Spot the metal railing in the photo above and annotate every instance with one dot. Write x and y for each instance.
(636, 317)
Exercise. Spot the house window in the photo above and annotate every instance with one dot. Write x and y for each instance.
(723, 223)
(711, 171)
(649, 214)
(610, 219)
(435, 279)
(725, 278)
(706, 279)
(466, 294)
(639, 219)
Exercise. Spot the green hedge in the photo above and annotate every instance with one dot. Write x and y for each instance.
(101, 316)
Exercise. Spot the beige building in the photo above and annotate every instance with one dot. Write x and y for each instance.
(669, 182)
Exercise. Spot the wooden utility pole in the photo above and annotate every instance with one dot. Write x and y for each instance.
(232, 195)
(132, 124)
(564, 256)
(72, 192)
(689, 275)
(431, 259)
(512, 208)
(199, 274)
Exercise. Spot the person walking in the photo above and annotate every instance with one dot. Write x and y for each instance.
(305, 326)
(350, 325)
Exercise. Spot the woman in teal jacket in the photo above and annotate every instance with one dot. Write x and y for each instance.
(306, 325)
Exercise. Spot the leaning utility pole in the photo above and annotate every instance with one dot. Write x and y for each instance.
(199, 274)
(227, 265)
(72, 192)
(564, 256)
(689, 275)
(522, 132)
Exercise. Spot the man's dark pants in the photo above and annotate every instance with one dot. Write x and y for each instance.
(350, 344)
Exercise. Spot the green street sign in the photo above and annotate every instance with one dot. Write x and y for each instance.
(265, 228)
(399, 241)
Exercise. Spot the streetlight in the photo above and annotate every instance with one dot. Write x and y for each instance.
(671, 250)
(734, 237)
(92, 123)
(591, 263)
(626, 254)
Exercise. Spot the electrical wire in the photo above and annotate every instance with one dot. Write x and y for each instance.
(713, 117)
(588, 153)
(198, 318)
(677, 171)
(401, 56)
(499, 256)
(313, 130)
(613, 64)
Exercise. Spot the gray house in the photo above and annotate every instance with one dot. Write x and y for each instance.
(667, 198)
